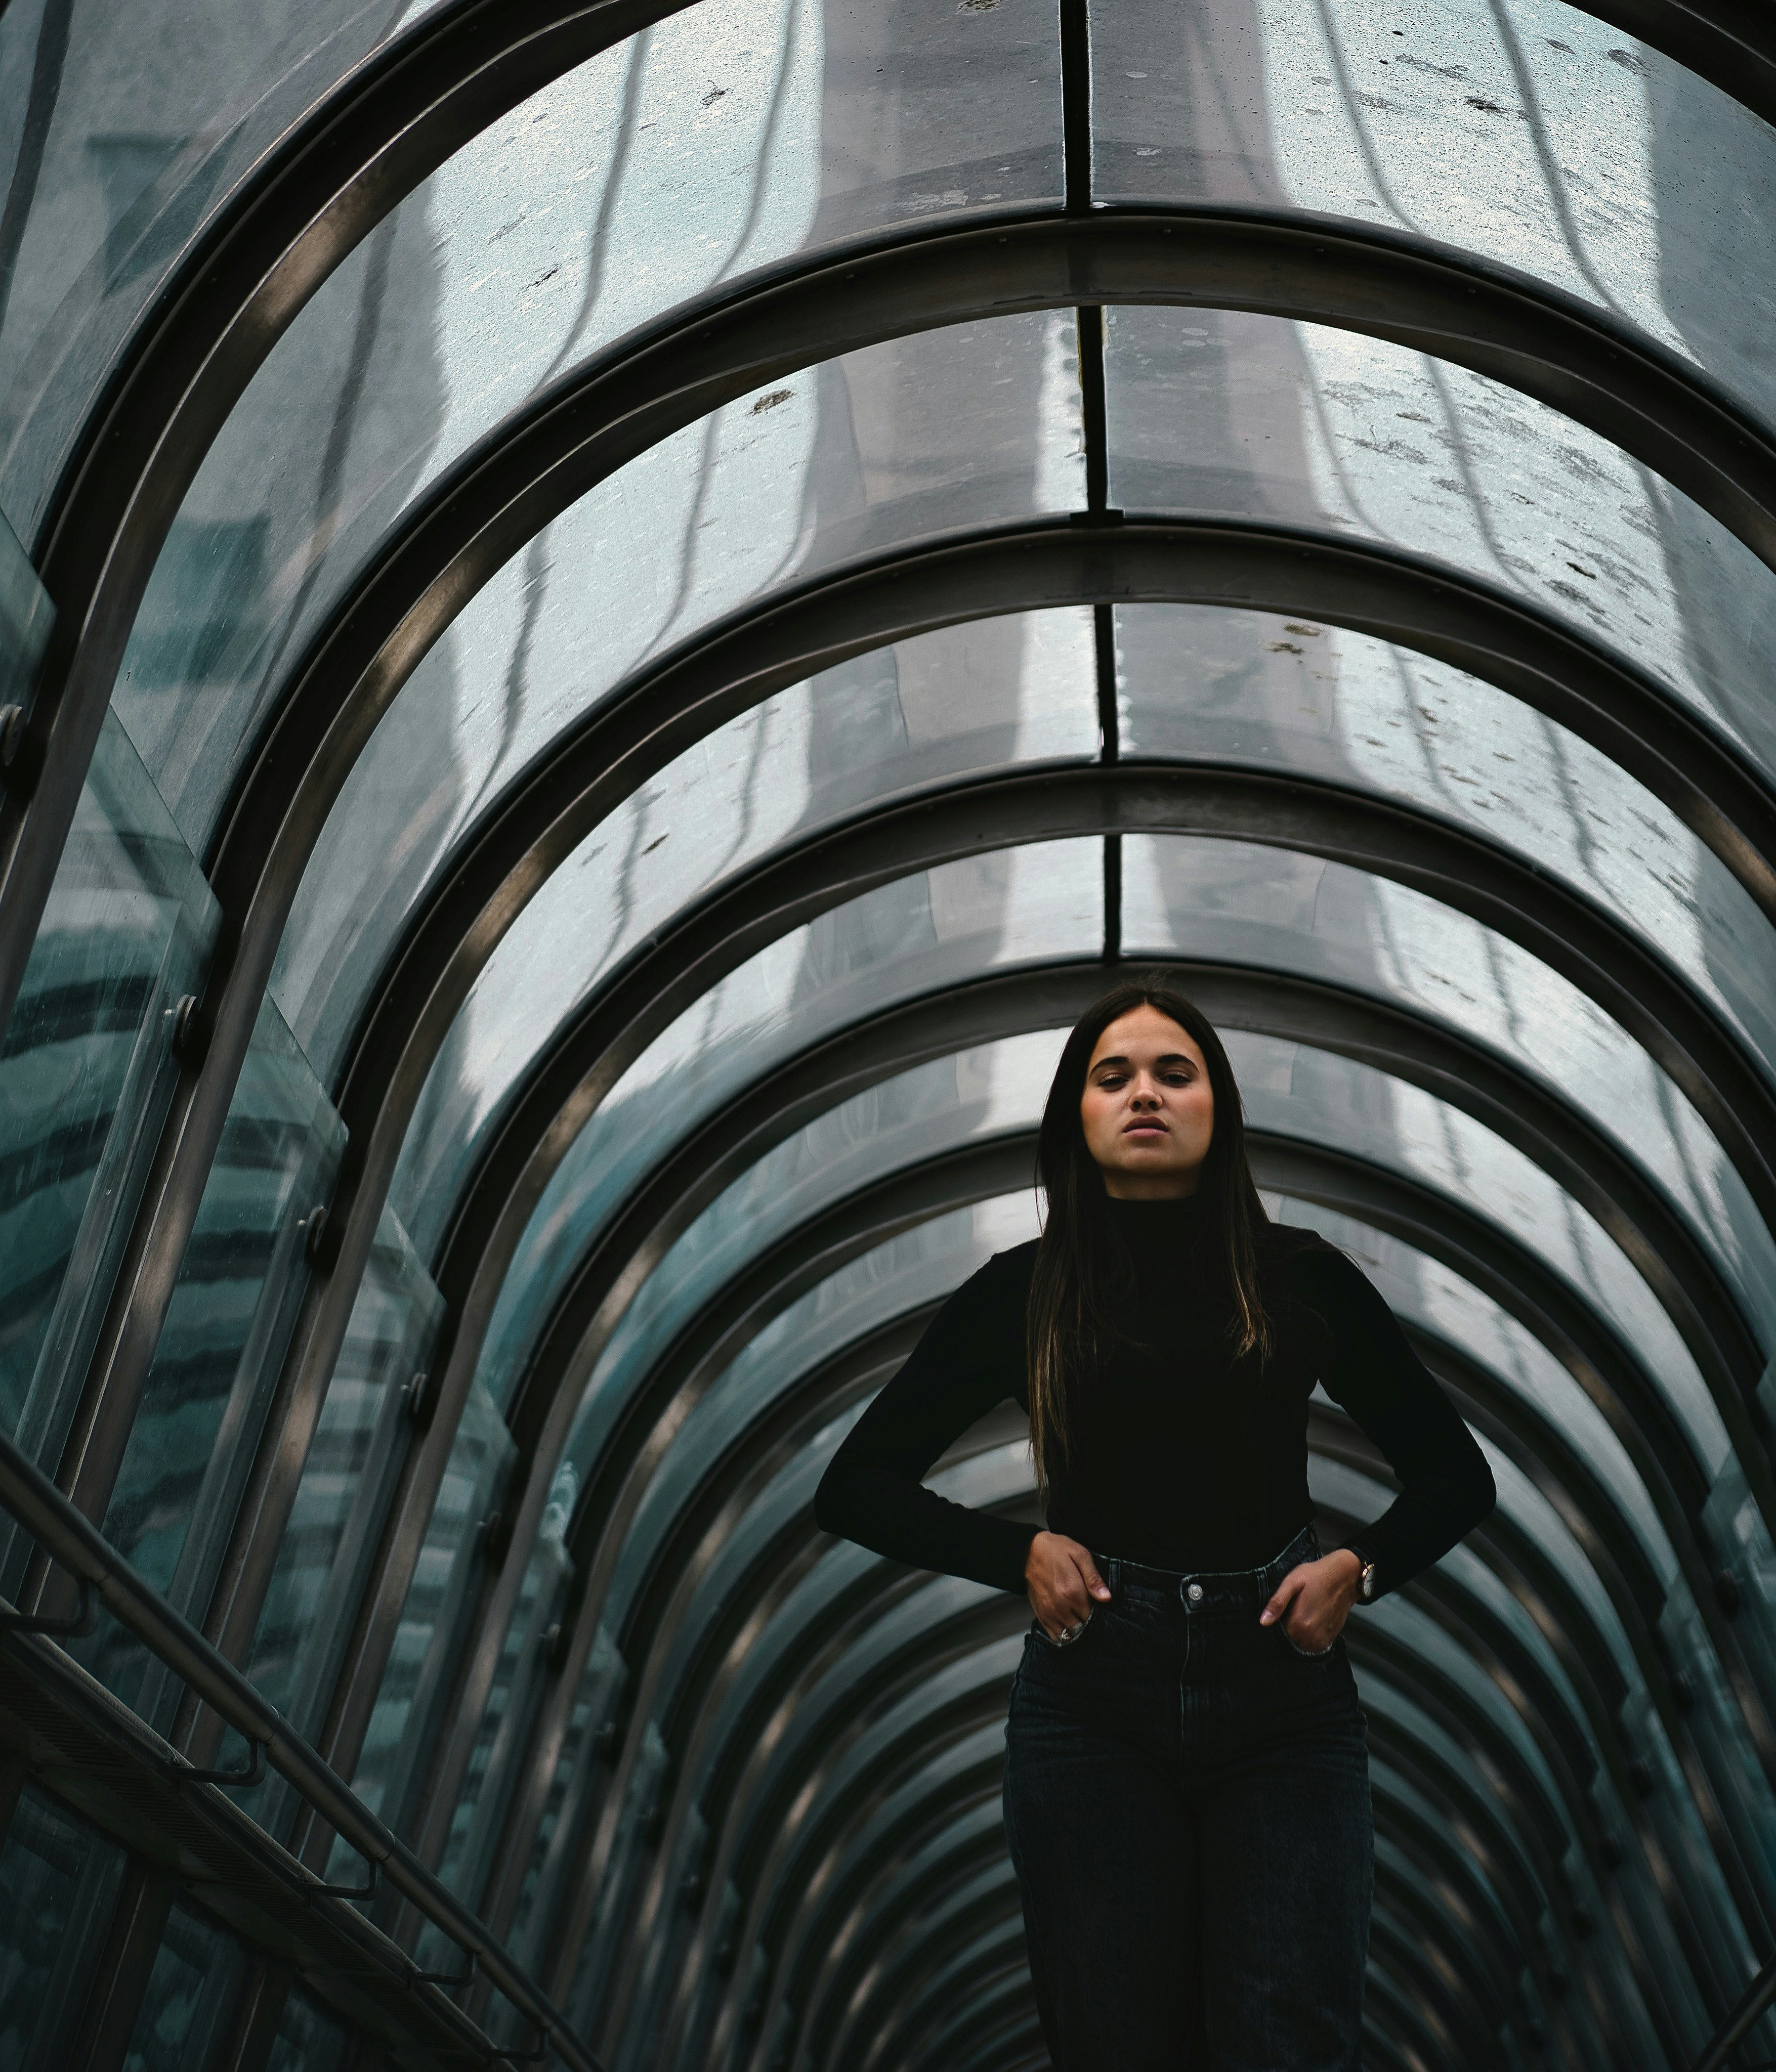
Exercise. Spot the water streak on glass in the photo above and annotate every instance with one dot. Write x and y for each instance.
(1522, 130)
(909, 937)
(86, 1073)
(1279, 910)
(731, 135)
(1249, 417)
(220, 1350)
(124, 132)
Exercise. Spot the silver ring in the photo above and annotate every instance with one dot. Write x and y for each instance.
(1069, 1635)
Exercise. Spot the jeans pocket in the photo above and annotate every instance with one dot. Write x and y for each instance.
(1310, 1654)
(1061, 1646)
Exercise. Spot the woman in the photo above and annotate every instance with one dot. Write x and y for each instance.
(1186, 1780)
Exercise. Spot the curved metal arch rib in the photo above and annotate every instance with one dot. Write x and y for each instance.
(636, 395)
(1258, 566)
(786, 1298)
(373, 139)
(1466, 875)
(1420, 1052)
(610, 1039)
(604, 415)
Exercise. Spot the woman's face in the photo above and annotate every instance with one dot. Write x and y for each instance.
(1148, 1110)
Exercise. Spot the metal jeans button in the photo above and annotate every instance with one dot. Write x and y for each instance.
(1194, 1594)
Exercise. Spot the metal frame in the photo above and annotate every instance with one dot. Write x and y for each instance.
(616, 1791)
(46, 1515)
(1417, 1051)
(195, 1126)
(444, 81)
(630, 398)
(804, 1085)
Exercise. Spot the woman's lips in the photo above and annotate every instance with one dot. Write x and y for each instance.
(1143, 1129)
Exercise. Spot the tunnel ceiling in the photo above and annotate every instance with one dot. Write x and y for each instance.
(615, 615)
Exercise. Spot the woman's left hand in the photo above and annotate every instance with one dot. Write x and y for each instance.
(1314, 1601)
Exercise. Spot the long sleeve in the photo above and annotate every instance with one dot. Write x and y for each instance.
(970, 1357)
(1446, 1487)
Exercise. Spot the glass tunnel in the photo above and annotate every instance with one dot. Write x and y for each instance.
(613, 613)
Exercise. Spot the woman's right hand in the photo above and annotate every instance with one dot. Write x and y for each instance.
(1062, 1582)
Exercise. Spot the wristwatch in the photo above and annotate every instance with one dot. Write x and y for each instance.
(1365, 1581)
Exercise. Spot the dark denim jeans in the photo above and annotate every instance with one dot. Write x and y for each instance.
(1186, 1802)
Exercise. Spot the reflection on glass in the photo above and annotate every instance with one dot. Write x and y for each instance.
(731, 134)
(1313, 1096)
(1279, 910)
(190, 1999)
(58, 1882)
(221, 1347)
(1523, 130)
(124, 130)
(26, 612)
(1252, 417)
(1433, 1299)
(502, 1736)
(1203, 684)
(392, 1765)
(307, 2040)
(967, 698)
(86, 1072)
(918, 1267)
(994, 1090)
(335, 1523)
(909, 937)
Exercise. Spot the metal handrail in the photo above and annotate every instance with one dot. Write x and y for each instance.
(73, 1542)
(1756, 2000)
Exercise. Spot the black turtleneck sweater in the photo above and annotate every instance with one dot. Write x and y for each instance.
(1186, 1458)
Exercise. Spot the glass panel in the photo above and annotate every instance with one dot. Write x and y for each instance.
(307, 2040)
(502, 1736)
(966, 699)
(1253, 416)
(26, 612)
(397, 1743)
(1284, 911)
(919, 1267)
(190, 1998)
(336, 1523)
(1521, 129)
(912, 937)
(221, 1349)
(730, 136)
(86, 1073)
(124, 130)
(58, 1885)
(1195, 684)
(980, 1093)
(1424, 1293)
(1312, 1096)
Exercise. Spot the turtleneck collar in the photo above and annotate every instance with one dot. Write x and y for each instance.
(1167, 1225)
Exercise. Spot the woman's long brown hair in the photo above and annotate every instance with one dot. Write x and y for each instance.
(1080, 1268)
